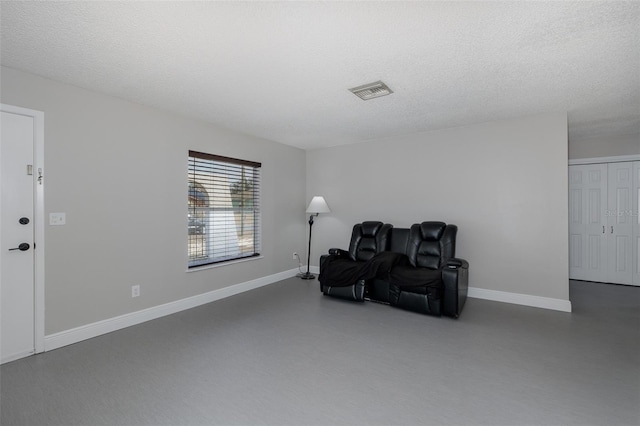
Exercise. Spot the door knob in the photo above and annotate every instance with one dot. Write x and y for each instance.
(21, 247)
(24, 220)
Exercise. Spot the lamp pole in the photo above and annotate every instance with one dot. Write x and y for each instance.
(308, 275)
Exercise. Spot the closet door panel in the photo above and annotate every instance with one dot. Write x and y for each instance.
(620, 223)
(587, 204)
(635, 218)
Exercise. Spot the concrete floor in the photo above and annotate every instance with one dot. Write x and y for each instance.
(285, 354)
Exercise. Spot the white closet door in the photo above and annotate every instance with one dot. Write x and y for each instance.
(620, 223)
(587, 238)
(635, 218)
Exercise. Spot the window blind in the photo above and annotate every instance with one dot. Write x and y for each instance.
(224, 209)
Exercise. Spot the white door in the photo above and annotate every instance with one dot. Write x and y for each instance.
(17, 280)
(620, 223)
(635, 218)
(587, 238)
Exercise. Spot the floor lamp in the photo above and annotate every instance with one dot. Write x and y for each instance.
(316, 206)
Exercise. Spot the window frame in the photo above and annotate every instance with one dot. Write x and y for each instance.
(226, 168)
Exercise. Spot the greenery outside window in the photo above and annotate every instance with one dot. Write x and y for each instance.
(223, 209)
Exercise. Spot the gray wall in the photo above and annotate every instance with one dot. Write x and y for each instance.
(605, 147)
(119, 172)
(504, 184)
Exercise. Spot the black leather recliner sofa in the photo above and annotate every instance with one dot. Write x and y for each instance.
(414, 269)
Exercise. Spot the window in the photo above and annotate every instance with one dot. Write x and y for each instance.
(224, 209)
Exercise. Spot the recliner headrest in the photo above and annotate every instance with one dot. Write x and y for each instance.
(370, 229)
(432, 231)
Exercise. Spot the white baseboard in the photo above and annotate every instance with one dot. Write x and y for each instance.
(78, 334)
(16, 356)
(506, 297)
(521, 299)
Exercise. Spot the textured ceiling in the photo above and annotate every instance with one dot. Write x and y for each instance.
(281, 70)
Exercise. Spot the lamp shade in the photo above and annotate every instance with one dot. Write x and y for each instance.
(318, 205)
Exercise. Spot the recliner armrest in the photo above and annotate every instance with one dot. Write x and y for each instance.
(338, 252)
(455, 263)
(455, 280)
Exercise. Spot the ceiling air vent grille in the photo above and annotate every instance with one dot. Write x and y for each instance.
(371, 90)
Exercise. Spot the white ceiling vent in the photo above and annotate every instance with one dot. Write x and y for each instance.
(371, 90)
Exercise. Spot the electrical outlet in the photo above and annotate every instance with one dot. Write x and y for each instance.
(295, 255)
(135, 291)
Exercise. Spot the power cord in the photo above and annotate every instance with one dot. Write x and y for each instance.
(299, 263)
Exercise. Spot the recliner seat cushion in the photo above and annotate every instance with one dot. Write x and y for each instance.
(338, 271)
(415, 280)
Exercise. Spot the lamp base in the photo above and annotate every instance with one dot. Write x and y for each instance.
(306, 276)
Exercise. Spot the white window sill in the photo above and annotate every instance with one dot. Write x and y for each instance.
(218, 265)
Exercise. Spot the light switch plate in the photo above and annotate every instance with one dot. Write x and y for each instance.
(57, 219)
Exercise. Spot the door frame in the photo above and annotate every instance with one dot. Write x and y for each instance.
(597, 160)
(616, 159)
(39, 219)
